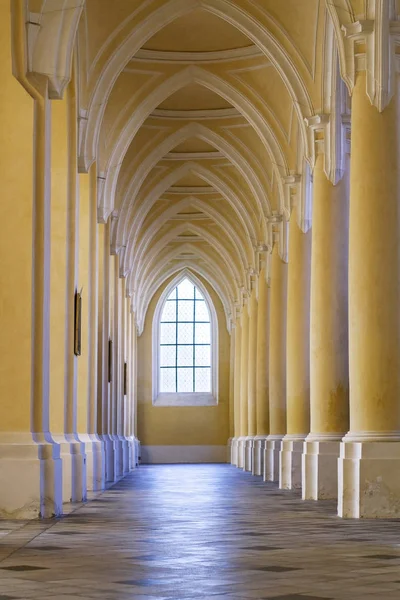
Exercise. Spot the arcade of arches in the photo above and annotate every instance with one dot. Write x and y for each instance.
(243, 154)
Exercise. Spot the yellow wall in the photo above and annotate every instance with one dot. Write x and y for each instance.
(188, 425)
(58, 262)
(83, 283)
(16, 168)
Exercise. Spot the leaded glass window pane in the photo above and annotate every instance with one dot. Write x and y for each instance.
(185, 380)
(168, 333)
(169, 311)
(202, 333)
(186, 289)
(185, 342)
(203, 356)
(202, 380)
(185, 333)
(202, 311)
(185, 356)
(168, 380)
(186, 310)
(167, 356)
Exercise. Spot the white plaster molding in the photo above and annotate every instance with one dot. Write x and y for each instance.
(195, 115)
(185, 399)
(371, 436)
(193, 155)
(216, 56)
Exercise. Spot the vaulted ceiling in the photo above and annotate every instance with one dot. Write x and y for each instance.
(196, 112)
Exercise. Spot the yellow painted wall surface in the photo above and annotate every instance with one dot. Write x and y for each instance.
(58, 262)
(16, 168)
(188, 425)
(83, 282)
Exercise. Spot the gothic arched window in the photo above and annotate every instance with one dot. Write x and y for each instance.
(185, 345)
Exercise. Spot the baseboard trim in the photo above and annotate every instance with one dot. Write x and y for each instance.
(183, 454)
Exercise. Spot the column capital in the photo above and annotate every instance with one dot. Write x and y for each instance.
(370, 45)
(277, 226)
(329, 134)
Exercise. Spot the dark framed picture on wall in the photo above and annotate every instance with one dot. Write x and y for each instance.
(78, 324)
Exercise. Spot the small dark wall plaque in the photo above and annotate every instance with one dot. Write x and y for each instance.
(78, 324)
(109, 360)
(125, 378)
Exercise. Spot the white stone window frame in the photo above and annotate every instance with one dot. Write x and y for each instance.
(191, 398)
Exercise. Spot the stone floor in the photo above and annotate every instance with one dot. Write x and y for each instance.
(199, 531)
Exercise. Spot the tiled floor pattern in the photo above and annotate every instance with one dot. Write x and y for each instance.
(201, 531)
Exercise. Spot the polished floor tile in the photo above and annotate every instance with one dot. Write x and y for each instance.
(211, 532)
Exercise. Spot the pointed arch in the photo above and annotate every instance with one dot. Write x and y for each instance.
(189, 75)
(162, 16)
(152, 230)
(188, 398)
(208, 135)
(224, 189)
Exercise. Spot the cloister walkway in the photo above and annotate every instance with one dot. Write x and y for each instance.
(199, 531)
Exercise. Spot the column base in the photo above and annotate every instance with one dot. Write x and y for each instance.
(73, 456)
(110, 458)
(248, 453)
(320, 466)
(234, 451)
(258, 454)
(241, 452)
(136, 452)
(369, 483)
(31, 472)
(290, 476)
(95, 462)
(271, 457)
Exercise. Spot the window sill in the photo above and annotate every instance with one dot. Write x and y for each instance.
(190, 399)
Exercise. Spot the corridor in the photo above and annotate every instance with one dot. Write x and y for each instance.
(199, 531)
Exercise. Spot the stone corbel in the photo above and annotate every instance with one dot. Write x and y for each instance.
(329, 136)
(84, 162)
(304, 199)
(113, 225)
(291, 186)
(264, 260)
(103, 211)
(237, 310)
(278, 229)
(370, 46)
(50, 41)
(121, 251)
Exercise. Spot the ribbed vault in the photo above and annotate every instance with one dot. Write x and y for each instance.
(200, 139)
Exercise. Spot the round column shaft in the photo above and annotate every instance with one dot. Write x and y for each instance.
(244, 417)
(370, 455)
(252, 380)
(329, 382)
(262, 374)
(277, 366)
(238, 341)
(298, 355)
